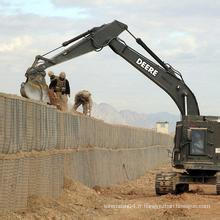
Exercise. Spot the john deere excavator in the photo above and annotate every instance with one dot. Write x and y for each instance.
(197, 140)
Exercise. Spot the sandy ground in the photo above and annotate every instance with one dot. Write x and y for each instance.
(131, 200)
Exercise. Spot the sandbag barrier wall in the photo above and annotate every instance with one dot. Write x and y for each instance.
(28, 125)
(39, 146)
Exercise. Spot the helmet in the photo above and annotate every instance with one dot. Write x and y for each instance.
(50, 73)
(85, 93)
(62, 75)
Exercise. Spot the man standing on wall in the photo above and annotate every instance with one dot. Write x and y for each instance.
(51, 93)
(52, 76)
(61, 89)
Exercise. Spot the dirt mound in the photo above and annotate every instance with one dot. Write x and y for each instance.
(131, 200)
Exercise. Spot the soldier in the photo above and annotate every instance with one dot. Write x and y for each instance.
(51, 93)
(61, 88)
(51, 75)
(83, 98)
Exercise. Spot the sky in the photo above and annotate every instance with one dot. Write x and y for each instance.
(183, 33)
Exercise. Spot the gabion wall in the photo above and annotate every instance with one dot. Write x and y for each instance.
(27, 125)
(40, 145)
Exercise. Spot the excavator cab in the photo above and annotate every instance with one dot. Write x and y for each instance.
(197, 144)
(197, 152)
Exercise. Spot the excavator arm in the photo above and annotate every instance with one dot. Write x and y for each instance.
(107, 35)
(167, 78)
(35, 86)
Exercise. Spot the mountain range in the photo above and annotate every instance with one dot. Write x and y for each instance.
(109, 114)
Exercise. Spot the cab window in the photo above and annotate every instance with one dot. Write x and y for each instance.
(197, 146)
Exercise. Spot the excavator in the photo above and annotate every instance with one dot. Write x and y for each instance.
(196, 151)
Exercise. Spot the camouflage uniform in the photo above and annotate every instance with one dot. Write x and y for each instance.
(51, 93)
(83, 98)
(61, 88)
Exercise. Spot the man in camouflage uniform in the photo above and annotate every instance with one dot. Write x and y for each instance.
(51, 93)
(52, 76)
(61, 89)
(83, 98)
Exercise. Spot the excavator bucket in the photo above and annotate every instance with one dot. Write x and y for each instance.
(35, 86)
(35, 91)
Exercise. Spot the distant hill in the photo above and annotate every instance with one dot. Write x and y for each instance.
(109, 114)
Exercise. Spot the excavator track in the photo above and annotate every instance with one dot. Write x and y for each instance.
(167, 183)
(164, 183)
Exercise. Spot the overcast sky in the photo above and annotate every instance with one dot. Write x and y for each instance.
(183, 33)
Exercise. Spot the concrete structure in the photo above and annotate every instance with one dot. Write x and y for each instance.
(40, 146)
(162, 127)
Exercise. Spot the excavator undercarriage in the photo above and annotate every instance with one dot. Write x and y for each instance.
(177, 183)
